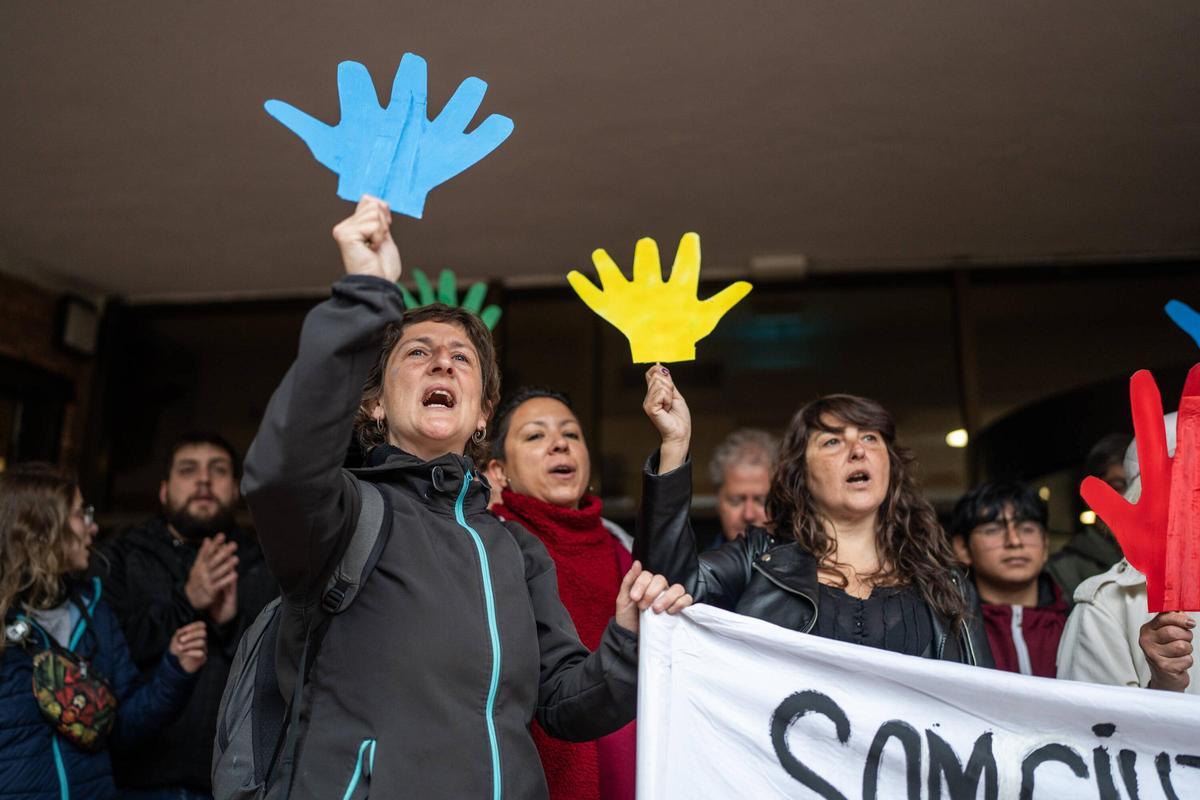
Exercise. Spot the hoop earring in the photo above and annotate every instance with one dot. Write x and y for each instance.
(381, 425)
(478, 436)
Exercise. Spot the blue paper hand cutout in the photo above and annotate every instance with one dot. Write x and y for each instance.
(1185, 317)
(396, 153)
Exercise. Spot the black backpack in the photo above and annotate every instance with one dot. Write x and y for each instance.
(257, 732)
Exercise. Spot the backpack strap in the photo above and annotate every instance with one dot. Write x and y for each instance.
(358, 561)
(362, 553)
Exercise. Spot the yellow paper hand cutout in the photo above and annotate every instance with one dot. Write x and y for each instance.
(663, 321)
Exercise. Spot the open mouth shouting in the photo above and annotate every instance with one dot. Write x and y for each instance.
(859, 479)
(439, 397)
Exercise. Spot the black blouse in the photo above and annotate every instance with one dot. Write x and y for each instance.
(893, 618)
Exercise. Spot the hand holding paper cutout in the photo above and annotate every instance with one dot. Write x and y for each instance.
(1160, 534)
(663, 321)
(396, 153)
(365, 241)
(1185, 317)
(1160, 639)
(447, 293)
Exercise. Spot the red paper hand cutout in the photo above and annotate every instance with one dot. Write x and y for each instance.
(1160, 534)
(1181, 584)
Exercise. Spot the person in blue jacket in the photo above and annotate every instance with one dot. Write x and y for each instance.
(69, 689)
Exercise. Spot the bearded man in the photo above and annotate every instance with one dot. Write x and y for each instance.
(189, 563)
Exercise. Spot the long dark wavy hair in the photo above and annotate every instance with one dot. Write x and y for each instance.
(912, 548)
(371, 434)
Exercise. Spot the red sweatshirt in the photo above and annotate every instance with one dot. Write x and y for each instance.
(590, 564)
(1024, 639)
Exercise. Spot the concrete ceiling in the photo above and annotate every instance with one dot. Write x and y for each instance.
(136, 159)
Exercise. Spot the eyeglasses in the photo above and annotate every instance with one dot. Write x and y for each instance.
(996, 531)
(86, 513)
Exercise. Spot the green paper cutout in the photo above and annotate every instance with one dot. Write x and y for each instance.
(447, 294)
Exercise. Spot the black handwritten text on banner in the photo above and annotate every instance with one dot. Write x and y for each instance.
(735, 707)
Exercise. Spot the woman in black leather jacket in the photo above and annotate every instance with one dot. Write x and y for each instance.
(850, 550)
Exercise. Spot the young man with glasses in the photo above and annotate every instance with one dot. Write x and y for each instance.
(999, 532)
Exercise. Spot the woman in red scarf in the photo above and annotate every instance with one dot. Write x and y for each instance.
(541, 468)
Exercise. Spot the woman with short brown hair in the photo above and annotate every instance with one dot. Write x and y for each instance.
(426, 685)
(369, 426)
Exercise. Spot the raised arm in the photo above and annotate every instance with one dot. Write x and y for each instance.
(303, 503)
(668, 412)
(664, 540)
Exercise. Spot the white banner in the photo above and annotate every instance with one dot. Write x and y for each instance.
(734, 707)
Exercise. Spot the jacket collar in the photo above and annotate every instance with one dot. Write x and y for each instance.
(83, 593)
(157, 534)
(794, 569)
(438, 481)
(791, 567)
(1049, 594)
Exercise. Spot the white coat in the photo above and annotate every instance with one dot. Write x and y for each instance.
(1100, 642)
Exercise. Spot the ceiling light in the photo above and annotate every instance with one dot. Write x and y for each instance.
(1088, 517)
(957, 437)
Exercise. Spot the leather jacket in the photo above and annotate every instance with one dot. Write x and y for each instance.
(761, 576)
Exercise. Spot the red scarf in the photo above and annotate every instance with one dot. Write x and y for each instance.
(590, 564)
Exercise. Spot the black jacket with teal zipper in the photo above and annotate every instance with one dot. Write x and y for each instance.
(426, 685)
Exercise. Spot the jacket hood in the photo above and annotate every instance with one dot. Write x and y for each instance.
(1133, 472)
